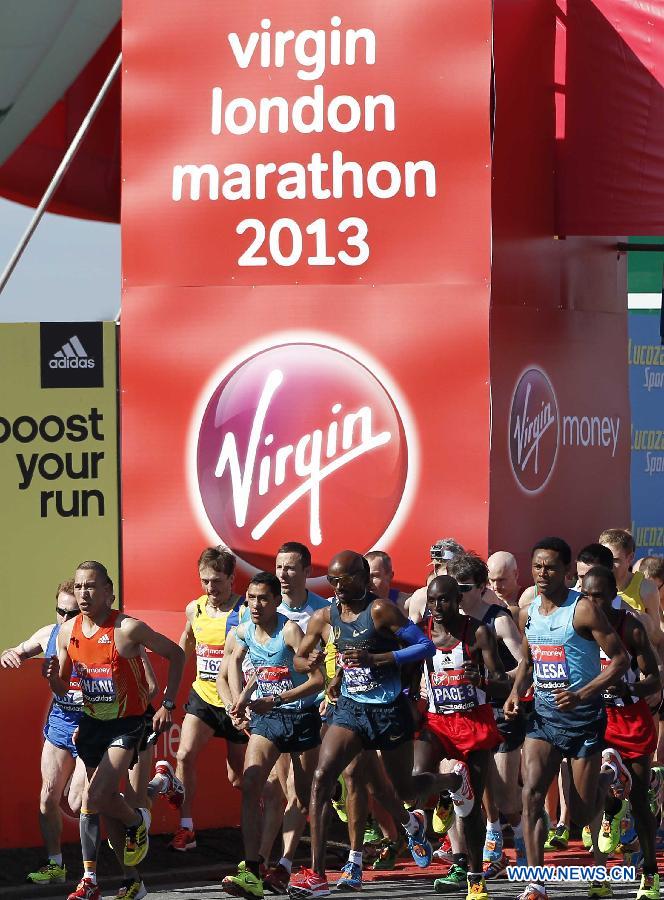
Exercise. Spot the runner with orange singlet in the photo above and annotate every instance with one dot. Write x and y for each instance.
(102, 647)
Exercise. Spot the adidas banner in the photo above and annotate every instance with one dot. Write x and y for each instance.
(58, 462)
(72, 355)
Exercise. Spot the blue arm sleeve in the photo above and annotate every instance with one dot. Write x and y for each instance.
(420, 647)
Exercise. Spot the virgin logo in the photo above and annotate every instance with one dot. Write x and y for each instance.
(533, 430)
(300, 442)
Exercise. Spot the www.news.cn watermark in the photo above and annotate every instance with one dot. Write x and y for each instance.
(542, 874)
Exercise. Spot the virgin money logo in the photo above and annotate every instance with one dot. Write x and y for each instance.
(300, 442)
(534, 430)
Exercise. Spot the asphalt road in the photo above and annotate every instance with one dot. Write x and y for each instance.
(410, 888)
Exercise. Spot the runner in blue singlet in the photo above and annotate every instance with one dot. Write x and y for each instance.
(371, 713)
(563, 635)
(284, 717)
(61, 774)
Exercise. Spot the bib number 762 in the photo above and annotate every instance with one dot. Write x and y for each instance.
(286, 242)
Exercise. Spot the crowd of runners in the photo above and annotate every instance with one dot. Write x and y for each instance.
(484, 705)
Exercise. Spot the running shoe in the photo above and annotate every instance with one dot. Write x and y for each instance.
(244, 884)
(476, 888)
(444, 851)
(183, 839)
(532, 892)
(137, 840)
(49, 873)
(419, 846)
(493, 846)
(497, 868)
(174, 793)
(443, 814)
(609, 830)
(340, 804)
(455, 879)
(520, 847)
(86, 890)
(558, 838)
(387, 858)
(587, 838)
(622, 782)
(131, 890)
(464, 797)
(351, 878)
(649, 888)
(275, 879)
(599, 889)
(308, 884)
(372, 833)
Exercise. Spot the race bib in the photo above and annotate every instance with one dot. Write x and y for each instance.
(208, 660)
(551, 669)
(357, 679)
(451, 690)
(97, 685)
(273, 680)
(71, 702)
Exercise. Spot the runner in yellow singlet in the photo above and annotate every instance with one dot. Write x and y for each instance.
(637, 591)
(209, 620)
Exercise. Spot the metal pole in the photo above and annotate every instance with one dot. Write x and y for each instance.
(72, 150)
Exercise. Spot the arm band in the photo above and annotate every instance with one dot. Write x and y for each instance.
(420, 647)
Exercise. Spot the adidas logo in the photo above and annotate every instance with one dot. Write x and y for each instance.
(104, 639)
(72, 356)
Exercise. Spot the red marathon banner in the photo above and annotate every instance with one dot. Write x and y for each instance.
(317, 143)
(306, 253)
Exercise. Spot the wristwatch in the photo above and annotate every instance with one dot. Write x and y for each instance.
(277, 700)
(168, 704)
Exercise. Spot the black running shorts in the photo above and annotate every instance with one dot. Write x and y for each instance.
(215, 717)
(96, 736)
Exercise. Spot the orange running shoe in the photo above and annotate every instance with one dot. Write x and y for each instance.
(183, 839)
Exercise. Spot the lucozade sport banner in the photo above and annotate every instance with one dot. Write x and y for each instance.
(306, 253)
(646, 388)
(58, 463)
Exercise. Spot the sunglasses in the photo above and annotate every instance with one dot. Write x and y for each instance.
(466, 588)
(340, 580)
(66, 613)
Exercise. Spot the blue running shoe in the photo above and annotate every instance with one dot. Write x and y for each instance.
(351, 878)
(419, 846)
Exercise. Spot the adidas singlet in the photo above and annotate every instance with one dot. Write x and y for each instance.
(113, 687)
(448, 688)
(632, 674)
(210, 633)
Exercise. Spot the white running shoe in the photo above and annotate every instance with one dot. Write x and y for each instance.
(464, 797)
(174, 792)
(622, 782)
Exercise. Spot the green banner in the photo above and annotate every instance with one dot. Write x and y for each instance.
(58, 463)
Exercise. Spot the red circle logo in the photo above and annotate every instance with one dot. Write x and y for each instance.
(301, 442)
(533, 430)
